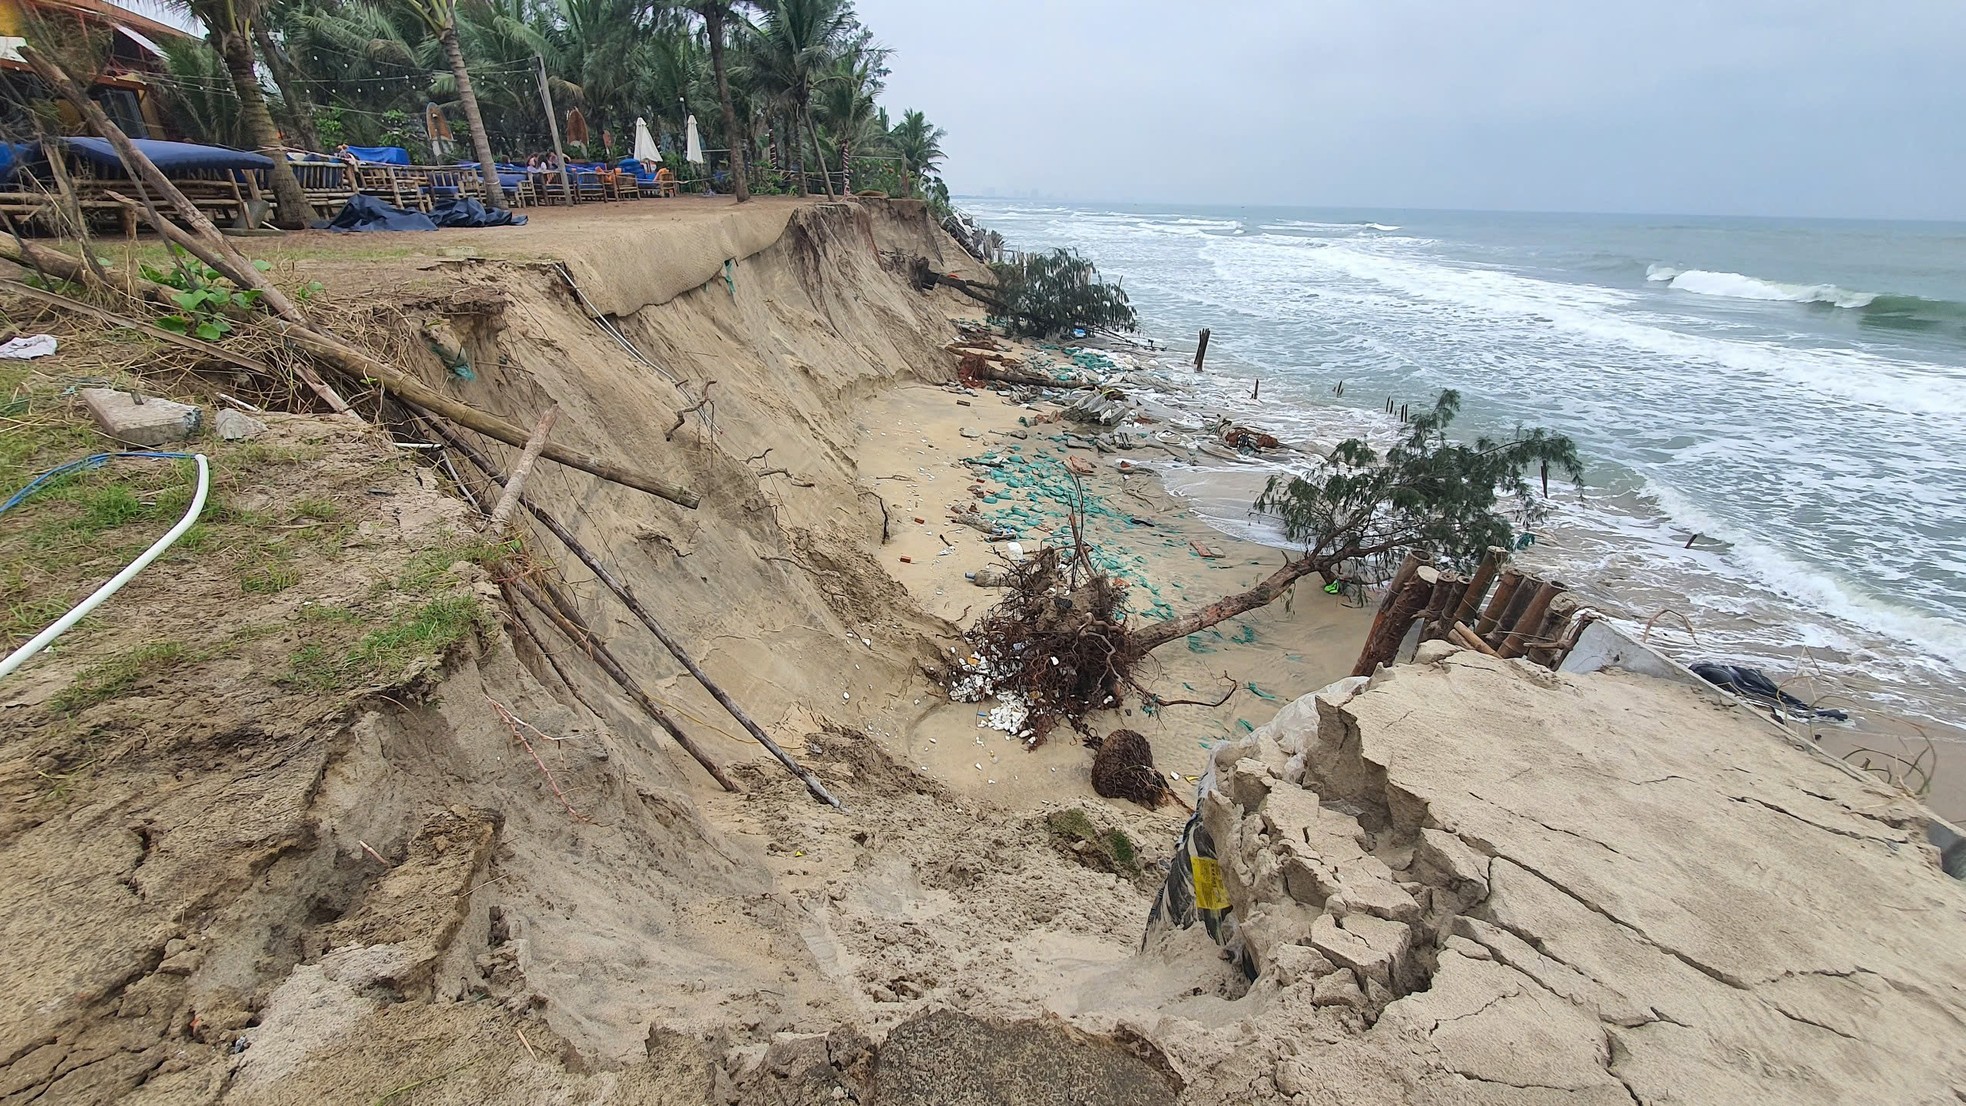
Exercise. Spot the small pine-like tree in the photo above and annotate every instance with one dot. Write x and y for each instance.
(1426, 492)
(1044, 294)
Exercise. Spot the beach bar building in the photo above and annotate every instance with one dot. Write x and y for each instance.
(125, 86)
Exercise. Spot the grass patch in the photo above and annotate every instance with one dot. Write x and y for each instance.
(431, 568)
(118, 676)
(319, 510)
(385, 655)
(1107, 850)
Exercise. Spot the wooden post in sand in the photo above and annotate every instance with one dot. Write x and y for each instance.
(1491, 563)
(1529, 623)
(1504, 591)
(1201, 350)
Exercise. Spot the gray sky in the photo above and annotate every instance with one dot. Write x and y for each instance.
(1756, 107)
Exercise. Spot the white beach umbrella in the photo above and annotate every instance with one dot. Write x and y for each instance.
(692, 145)
(645, 147)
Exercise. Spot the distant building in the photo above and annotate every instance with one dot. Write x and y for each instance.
(131, 57)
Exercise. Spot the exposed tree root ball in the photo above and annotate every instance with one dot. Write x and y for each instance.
(1123, 768)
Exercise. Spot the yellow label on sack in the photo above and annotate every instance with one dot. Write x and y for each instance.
(1208, 884)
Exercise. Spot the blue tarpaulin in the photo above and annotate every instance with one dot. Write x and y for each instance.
(167, 156)
(369, 213)
(381, 155)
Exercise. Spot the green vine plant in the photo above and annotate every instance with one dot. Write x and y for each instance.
(205, 298)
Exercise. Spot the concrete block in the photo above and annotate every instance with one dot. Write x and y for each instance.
(152, 424)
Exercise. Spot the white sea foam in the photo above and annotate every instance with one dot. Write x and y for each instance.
(1703, 282)
(1379, 226)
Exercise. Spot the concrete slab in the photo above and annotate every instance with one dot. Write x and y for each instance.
(150, 424)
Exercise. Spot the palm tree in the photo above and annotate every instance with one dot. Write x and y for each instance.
(846, 102)
(230, 26)
(715, 13)
(286, 76)
(439, 17)
(796, 41)
(918, 145)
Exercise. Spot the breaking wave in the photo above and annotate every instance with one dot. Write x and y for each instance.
(1876, 308)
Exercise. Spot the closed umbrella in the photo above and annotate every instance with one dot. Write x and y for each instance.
(645, 147)
(692, 145)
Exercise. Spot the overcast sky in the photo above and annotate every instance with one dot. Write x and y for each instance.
(1755, 107)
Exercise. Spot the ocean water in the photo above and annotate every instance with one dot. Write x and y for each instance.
(1793, 391)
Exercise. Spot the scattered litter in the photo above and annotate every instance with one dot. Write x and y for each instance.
(27, 347)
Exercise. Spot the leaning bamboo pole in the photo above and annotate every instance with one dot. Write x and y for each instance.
(627, 597)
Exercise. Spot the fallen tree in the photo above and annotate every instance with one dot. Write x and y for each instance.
(1060, 647)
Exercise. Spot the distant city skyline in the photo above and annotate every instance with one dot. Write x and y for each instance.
(1807, 108)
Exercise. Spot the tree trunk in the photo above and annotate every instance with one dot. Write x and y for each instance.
(288, 80)
(713, 23)
(819, 151)
(236, 48)
(1156, 634)
(480, 141)
(846, 168)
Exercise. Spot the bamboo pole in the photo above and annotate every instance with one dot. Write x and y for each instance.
(1504, 591)
(560, 610)
(627, 597)
(1464, 636)
(509, 498)
(1491, 563)
(1525, 593)
(1530, 621)
(1383, 644)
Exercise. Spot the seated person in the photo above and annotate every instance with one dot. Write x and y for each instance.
(665, 182)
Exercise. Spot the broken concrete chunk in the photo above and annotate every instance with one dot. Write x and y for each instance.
(149, 424)
(236, 426)
(1433, 652)
(1289, 811)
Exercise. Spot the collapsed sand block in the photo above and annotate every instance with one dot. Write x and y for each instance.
(147, 424)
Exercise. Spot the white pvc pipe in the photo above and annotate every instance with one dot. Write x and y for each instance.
(82, 610)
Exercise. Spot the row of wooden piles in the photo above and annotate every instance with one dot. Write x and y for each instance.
(1523, 615)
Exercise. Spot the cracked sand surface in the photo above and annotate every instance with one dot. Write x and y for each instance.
(1617, 891)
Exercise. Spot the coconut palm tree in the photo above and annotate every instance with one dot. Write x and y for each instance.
(229, 24)
(918, 145)
(796, 41)
(439, 17)
(716, 15)
(846, 102)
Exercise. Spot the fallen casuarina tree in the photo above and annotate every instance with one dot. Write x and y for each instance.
(1059, 647)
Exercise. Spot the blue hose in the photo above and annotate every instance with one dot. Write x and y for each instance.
(93, 461)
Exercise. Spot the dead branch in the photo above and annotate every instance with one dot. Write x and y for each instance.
(1234, 686)
(512, 723)
(683, 415)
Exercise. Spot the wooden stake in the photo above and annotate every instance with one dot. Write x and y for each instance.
(1530, 622)
(1525, 593)
(1504, 591)
(509, 498)
(1201, 349)
(1464, 636)
(1491, 563)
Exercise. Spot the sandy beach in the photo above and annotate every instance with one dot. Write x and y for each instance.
(1270, 655)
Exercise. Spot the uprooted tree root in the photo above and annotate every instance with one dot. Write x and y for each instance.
(1123, 768)
(1056, 641)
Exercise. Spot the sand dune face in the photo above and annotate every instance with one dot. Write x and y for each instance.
(1603, 888)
